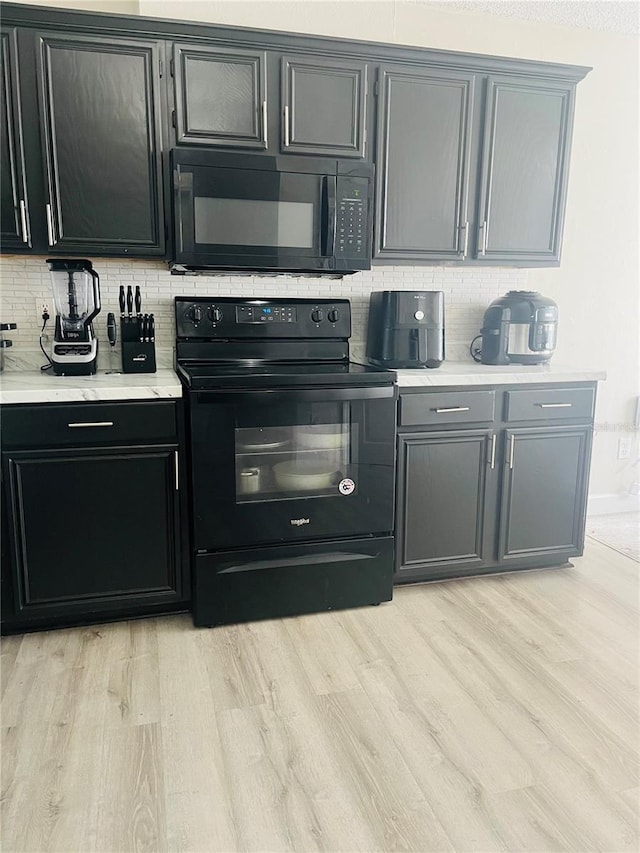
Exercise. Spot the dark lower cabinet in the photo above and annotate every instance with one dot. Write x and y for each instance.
(492, 497)
(544, 492)
(444, 503)
(94, 531)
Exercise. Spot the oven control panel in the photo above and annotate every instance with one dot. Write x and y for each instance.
(204, 318)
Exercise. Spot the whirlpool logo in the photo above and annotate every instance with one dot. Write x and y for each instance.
(298, 522)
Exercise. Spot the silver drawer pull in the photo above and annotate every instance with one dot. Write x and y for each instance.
(555, 405)
(493, 451)
(23, 221)
(92, 424)
(452, 409)
(512, 447)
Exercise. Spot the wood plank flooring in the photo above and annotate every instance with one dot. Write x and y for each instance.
(488, 714)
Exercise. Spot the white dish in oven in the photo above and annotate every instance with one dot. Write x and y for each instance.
(302, 475)
(321, 436)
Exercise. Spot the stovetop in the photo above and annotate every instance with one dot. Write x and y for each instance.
(213, 375)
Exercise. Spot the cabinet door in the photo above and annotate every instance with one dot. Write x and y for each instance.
(424, 131)
(99, 104)
(220, 96)
(14, 220)
(445, 514)
(524, 169)
(323, 106)
(93, 530)
(544, 492)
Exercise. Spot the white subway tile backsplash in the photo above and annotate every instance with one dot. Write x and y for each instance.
(24, 282)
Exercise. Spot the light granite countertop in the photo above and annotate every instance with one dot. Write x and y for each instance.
(471, 373)
(29, 386)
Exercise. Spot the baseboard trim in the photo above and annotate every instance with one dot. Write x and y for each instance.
(610, 504)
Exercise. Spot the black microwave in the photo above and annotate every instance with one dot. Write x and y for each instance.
(237, 212)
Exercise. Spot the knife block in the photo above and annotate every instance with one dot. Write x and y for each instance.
(137, 356)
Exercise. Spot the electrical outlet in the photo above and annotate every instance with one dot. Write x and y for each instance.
(42, 307)
(624, 448)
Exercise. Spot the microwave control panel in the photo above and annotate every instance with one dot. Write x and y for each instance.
(352, 212)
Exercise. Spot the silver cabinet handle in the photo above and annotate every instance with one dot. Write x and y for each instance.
(512, 447)
(175, 456)
(465, 248)
(452, 409)
(52, 242)
(492, 464)
(23, 221)
(286, 127)
(555, 405)
(264, 123)
(482, 238)
(91, 424)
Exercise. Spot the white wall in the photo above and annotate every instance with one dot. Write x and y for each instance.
(596, 286)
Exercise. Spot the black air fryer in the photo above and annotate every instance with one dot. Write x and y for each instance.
(406, 328)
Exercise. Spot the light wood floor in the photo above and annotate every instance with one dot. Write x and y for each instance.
(486, 714)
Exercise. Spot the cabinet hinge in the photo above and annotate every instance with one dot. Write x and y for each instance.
(173, 118)
(172, 68)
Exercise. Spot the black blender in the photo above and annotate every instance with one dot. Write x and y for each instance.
(76, 295)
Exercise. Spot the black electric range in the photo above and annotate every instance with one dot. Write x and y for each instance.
(292, 459)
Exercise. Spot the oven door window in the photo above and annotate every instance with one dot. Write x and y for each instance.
(311, 458)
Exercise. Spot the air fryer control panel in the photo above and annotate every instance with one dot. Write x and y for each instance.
(203, 318)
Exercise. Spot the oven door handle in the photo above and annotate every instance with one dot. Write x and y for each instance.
(308, 560)
(302, 395)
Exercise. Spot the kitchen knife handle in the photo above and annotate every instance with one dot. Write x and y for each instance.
(141, 327)
(121, 300)
(152, 328)
(129, 300)
(112, 332)
(138, 299)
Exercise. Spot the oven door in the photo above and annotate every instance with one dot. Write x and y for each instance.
(291, 465)
(253, 218)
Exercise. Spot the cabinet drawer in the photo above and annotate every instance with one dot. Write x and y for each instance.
(456, 407)
(546, 404)
(88, 423)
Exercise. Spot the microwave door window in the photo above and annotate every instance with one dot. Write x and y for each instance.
(243, 212)
(253, 222)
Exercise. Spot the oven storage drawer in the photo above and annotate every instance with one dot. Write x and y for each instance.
(446, 407)
(88, 423)
(546, 404)
(275, 582)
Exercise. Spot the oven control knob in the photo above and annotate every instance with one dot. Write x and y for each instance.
(215, 315)
(333, 315)
(195, 314)
(317, 316)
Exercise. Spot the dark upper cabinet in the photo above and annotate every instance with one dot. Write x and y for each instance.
(323, 106)
(544, 492)
(14, 212)
(464, 175)
(423, 150)
(524, 169)
(241, 98)
(220, 96)
(99, 105)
